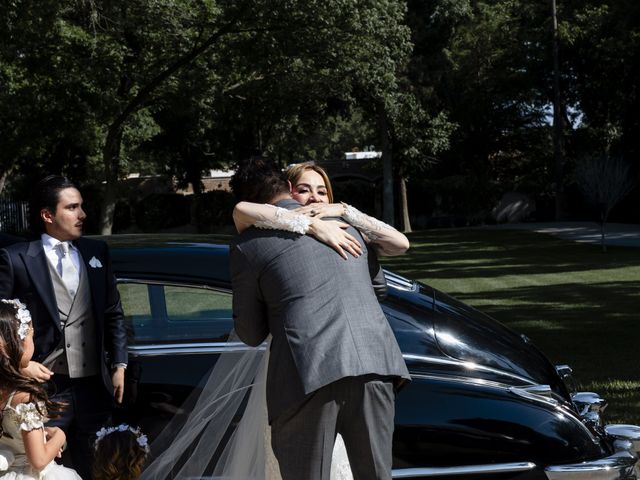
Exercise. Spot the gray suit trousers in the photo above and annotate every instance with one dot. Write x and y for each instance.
(361, 409)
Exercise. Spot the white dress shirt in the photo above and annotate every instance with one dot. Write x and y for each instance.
(49, 245)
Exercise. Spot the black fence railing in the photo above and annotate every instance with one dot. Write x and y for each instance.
(14, 216)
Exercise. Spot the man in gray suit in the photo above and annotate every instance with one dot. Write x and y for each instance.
(79, 332)
(334, 361)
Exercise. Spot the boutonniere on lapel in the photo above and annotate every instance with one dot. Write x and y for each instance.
(95, 263)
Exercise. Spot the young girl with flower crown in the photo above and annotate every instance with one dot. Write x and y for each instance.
(29, 447)
(120, 453)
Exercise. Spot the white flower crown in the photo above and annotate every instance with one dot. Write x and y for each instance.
(141, 438)
(22, 315)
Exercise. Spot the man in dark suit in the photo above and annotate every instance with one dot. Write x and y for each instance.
(79, 333)
(333, 359)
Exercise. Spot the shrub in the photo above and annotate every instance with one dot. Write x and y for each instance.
(159, 211)
(213, 209)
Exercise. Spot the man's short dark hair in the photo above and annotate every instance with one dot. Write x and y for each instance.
(258, 180)
(46, 194)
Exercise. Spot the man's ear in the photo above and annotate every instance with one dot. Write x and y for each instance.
(46, 215)
(290, 186)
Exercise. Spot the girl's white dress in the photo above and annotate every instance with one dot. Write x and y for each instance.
(13, 459)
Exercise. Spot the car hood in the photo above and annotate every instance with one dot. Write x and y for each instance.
(468, 335)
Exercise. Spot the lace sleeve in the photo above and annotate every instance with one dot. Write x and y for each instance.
(287, 220)
(28, 416)
(371, 227)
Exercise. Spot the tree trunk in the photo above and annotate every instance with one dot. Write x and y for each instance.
(404, 206)
(603, 235)
(558, 121)
(387, 169)
(111, 161)
(3, 177)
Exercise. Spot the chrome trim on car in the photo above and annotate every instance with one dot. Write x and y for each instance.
(589, 406)
(622, 433)
(465, 380)
(400, 282)
(619, 466)
(171, 283)
(466, 365)
(189, 348)
(540, 390)
(564, 371)
(538, 393)
(427, 472)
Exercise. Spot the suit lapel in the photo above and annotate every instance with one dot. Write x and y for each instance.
(36, 264)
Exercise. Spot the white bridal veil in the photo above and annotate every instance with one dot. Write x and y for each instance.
(203, 442)
(209, 442)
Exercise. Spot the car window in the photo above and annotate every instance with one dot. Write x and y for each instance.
(161, 314)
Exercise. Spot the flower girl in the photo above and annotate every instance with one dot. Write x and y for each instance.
(29, 447)
(120, 453)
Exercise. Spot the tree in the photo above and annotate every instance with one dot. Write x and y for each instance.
(604, 181)
(269, 68)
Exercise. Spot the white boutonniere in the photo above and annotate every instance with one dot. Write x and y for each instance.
(95, 263)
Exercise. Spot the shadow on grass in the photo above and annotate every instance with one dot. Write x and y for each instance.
(453, 253)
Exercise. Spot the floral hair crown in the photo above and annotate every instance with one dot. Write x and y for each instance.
(22, 315)
(141, 438)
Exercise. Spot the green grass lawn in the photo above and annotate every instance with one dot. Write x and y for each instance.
(579, 305)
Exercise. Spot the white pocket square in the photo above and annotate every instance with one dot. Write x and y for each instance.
(95, 263)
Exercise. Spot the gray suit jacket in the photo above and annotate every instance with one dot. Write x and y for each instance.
(321, 310)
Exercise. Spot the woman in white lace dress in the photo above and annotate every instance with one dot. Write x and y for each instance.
(310, 186)
(27, 447)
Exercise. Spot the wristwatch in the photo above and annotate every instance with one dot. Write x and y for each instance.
(118, 365)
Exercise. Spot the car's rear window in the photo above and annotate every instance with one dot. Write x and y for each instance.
(161, 313)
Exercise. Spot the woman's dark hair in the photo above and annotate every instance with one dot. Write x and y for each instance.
(46, 195)
(11, 351)
(258, 180)
(118, 457)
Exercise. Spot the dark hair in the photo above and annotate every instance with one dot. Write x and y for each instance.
(11, 378)
(46, 195)
(258, 180)
(118, 457)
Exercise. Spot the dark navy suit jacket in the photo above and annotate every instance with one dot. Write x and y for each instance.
(24, 274)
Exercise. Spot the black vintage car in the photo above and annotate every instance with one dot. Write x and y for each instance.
(484, 402)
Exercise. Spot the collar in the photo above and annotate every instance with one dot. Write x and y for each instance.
(49, 243)
(288, 203)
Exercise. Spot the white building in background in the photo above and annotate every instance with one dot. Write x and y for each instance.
(362, 155)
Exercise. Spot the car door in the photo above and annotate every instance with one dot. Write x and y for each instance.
(176, 332)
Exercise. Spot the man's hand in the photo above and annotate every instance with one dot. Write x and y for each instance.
(117, 377)
(332, 233)
(37, 371)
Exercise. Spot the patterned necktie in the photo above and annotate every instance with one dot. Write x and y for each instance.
(67, 269)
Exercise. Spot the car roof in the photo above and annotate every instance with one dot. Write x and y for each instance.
(165, 256)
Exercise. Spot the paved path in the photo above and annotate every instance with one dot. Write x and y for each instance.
(620, 234)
